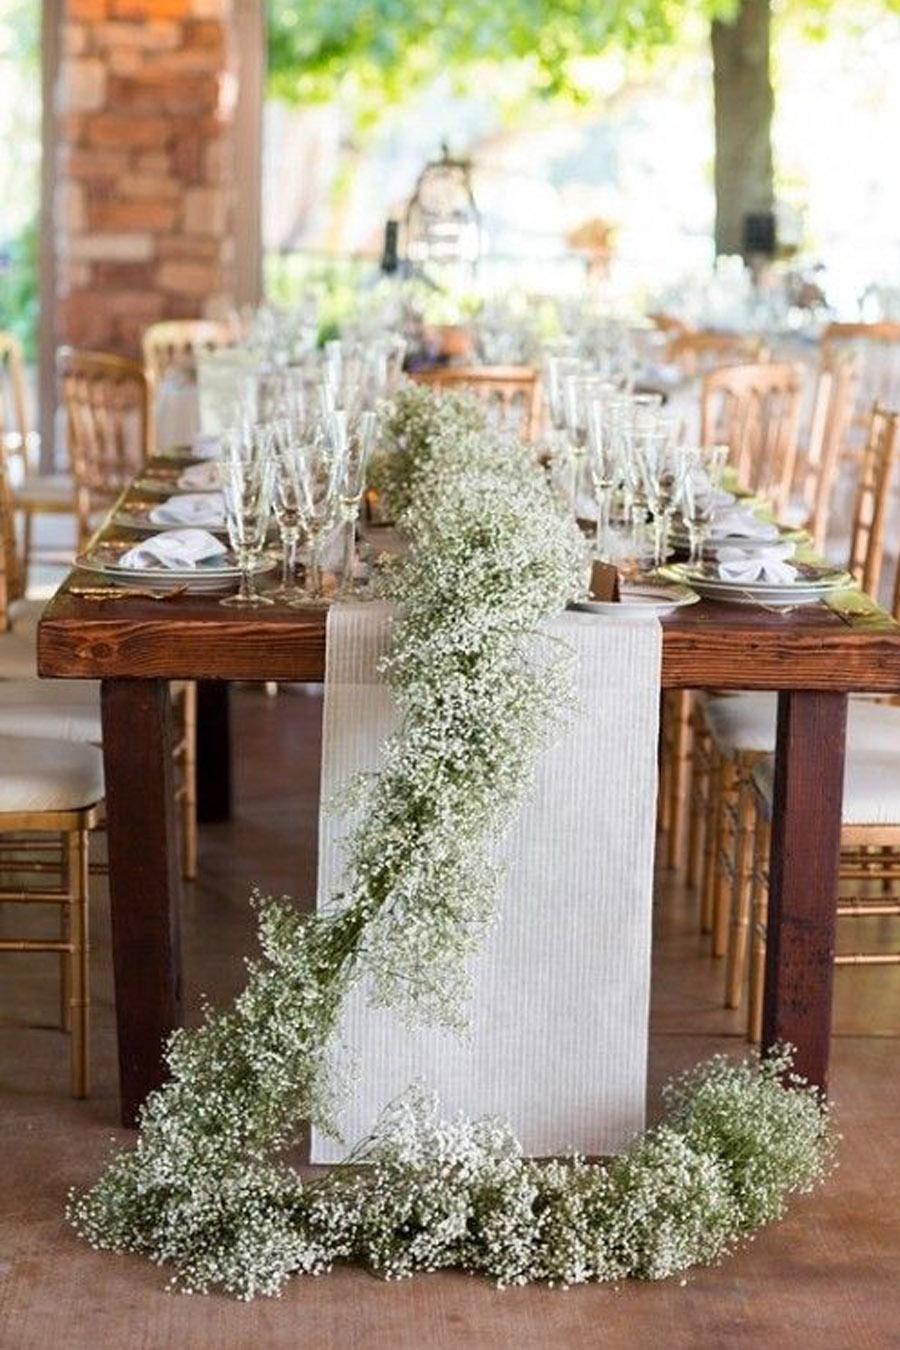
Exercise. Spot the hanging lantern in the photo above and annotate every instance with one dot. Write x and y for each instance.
(442, 220)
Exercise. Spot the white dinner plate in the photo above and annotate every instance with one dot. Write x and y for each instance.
(213, 574)
(138, 518)
(641, 600)
(813, 584)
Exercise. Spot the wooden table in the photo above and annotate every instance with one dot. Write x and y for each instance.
(811, 656)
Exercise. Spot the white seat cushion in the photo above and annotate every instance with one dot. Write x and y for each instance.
(24, 614)
(18, 655)
(37, 774)
(871, 785)
(53, 491)
(67, 709)
(745, 723)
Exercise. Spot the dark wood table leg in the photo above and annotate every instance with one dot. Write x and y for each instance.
(803, 877)
(144, 879)
(213, 751)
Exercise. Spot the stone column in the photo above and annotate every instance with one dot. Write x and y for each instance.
(144, 198)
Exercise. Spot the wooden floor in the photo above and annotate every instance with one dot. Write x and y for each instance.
(827, 1277)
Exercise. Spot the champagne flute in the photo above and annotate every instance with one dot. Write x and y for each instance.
(604, 459)
(286, 436)
(247, 490)
(319, 458)
(701, 486)
(357, 437)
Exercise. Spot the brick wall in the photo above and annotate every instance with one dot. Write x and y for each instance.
(144, 210)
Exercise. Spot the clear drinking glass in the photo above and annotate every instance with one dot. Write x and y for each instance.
(698, 498)
(247, 490)
(286, 439)
(662, 466)
(319, 459)
(604, 424)
(358, 437)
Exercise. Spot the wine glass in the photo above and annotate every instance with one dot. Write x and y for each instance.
(247, 490)
(319, 459)
(699, 491)
(286, 438)
(662, 467)
(357, 436)
(604, 423)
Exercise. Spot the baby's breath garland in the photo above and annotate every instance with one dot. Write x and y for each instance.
(206, 1188)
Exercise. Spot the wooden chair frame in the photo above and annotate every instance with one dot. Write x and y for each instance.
(73, 943)
(755, 409)
(506, 385)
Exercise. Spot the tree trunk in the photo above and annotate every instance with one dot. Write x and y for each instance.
(742, 89)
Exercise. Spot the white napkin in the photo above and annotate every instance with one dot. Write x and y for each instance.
(206, 445)
(191, 508)
(742, 523)
(769, 565)
(205, 477)
(177, 549)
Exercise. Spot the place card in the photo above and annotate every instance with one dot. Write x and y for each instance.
(604, 582)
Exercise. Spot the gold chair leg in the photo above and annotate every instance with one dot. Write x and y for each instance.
(77, 869)
(679, 774)
(736, 956)
(698, 806)
(26, 548)
(710, 843)
(759, 913)
(723, 849)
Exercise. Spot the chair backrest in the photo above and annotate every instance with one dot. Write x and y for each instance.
(699, 352)
(106, 401)
(175, 342)
(755, 411)
(512, 393)
(829, 423)
(876, 349)
(13, 403)
(873, 494)
(11, 571)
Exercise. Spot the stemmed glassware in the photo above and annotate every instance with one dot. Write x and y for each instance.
(699, 491)
(605, 425)
(319, 460)
(357, 436)
(662, 466)
(287, 436)
(247, 490)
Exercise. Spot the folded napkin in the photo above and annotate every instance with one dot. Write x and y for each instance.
(177, 549)
(205, 477)
(769, 565)
(206, 445)
(191, 508)
(741, 522)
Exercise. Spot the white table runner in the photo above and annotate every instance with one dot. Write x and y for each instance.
(559, 1018)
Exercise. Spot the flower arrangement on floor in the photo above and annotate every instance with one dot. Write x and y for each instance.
(207, 1188)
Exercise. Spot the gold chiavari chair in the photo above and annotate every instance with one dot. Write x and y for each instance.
(697, 353)
(35, 493)
(875, 348)
(755, 411)
(54, 789)
(743, 729)
(829, 424)
(107, 406)
(512, 393)
(175, 342)
(107, 403)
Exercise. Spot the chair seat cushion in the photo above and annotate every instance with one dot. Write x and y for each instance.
(52, 492)
(18, 655)
(37, 774)
(871, 785)
(67, 709)
(745, 723)
(24, 615)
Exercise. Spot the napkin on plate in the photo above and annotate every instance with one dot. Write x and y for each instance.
(768, 565)
(176, 549)
(206, 445)
(191, 508)
(742, 523)
(203, 477)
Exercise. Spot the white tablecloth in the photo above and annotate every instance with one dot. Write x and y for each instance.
(559, 1020)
